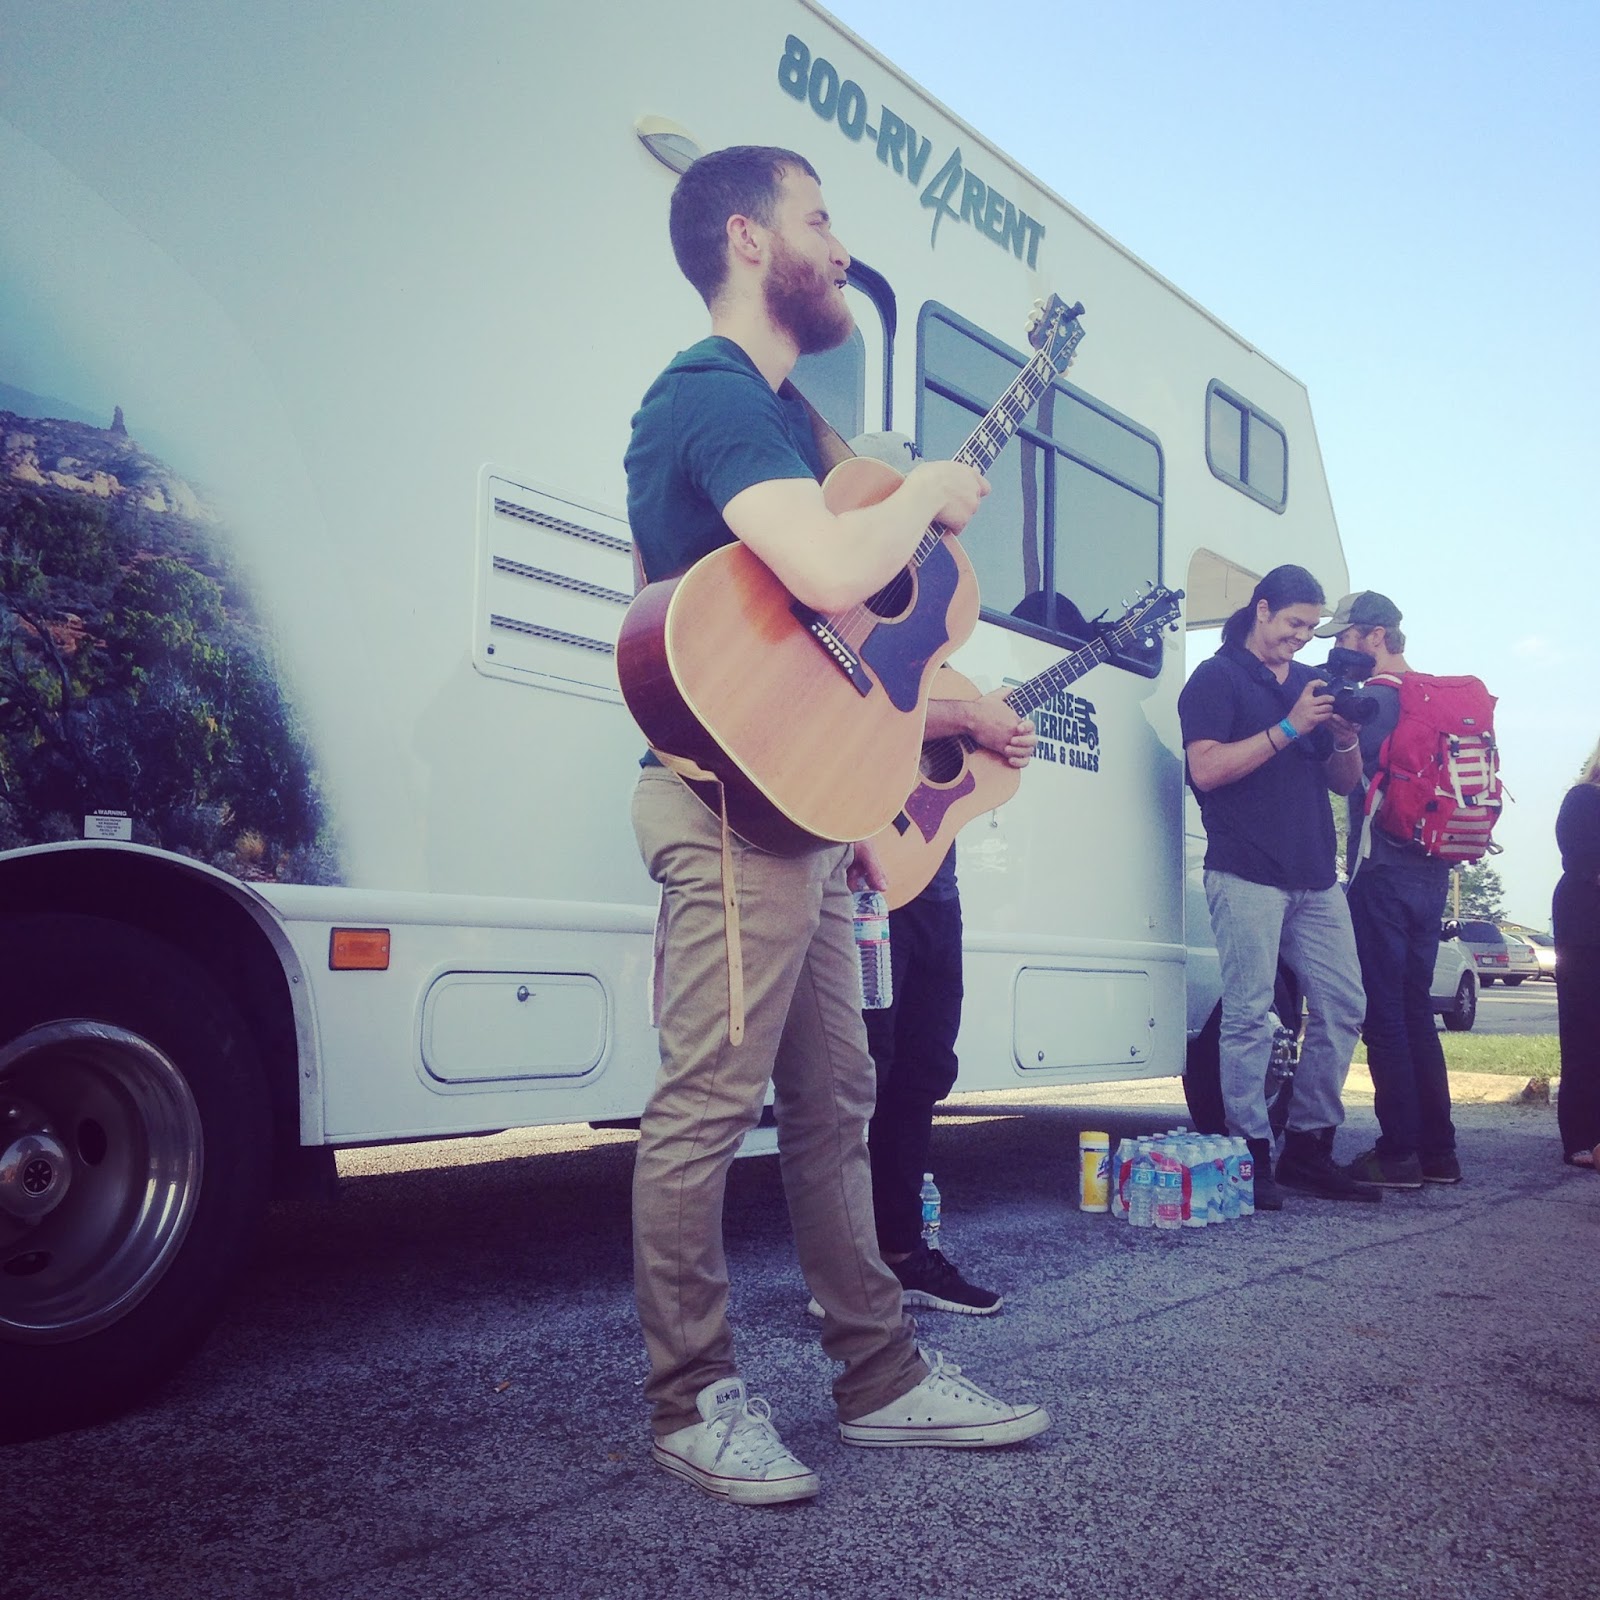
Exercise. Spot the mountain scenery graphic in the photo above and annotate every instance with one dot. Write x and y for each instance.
(134, 676)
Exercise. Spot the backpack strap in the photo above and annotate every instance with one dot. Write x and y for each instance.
(1372, 790)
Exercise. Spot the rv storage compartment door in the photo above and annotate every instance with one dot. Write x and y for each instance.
(487, 1027)
(1067, 1019)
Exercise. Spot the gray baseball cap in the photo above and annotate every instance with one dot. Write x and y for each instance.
(1364, 609)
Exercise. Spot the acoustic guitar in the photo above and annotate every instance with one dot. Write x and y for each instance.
(961, 779)
(813, 724)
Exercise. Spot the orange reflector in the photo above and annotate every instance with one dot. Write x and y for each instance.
(359, 950)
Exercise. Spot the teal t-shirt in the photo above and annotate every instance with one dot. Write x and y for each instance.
(707, 429)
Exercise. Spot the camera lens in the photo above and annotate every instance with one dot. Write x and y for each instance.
(1354, 707)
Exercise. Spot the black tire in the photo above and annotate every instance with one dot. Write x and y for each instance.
(1202, 1067)
(1202, 1076)
(128, 1065)
(1484, 980)
(1511, 983)
(1460, 1017)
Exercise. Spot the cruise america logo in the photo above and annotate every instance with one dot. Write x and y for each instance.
(953, 191)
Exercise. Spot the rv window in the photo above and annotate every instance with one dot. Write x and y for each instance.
(834, 381)
(849, 385)
(1246, 448)
(1072, 528)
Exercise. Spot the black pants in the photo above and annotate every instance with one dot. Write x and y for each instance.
(913, 1046)
(1578, 1018)
(1395, 912)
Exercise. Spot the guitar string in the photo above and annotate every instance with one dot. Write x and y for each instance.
(1066, 670)
(1022, 394)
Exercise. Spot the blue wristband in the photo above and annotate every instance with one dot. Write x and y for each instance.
(1290, 732)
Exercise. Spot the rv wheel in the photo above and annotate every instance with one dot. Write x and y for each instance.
(134, 1161)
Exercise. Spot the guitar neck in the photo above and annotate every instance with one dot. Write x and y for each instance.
(991, 436)
(1027, 697)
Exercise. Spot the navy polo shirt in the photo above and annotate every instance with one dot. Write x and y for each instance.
(1275, 825)
(707, 429)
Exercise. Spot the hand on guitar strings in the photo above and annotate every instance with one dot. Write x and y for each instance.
(992, 722)
(957, 487)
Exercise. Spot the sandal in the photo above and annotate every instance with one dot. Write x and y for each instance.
(1583, 1158)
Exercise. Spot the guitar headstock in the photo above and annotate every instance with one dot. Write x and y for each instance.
(1148, 618)
(1054, 330)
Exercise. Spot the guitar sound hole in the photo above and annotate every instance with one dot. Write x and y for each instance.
(894, 598)
(941, 761)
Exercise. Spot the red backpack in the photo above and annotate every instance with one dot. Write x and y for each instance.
(1437, 784)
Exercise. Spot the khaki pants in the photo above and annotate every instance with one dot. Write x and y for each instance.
(803, 1033)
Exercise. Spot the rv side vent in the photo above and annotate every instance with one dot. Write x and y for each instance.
(555, 575)
(559, 580)
(543, 519)
(532, 630)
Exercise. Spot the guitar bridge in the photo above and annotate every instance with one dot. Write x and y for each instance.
(842, 656)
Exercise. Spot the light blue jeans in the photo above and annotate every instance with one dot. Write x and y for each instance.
(1252, 922)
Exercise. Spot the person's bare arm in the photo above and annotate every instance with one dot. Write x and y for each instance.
(1343, 767)
(1213, 764)
(830, 560)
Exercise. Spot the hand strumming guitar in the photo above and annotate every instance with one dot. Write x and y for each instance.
(956, 487)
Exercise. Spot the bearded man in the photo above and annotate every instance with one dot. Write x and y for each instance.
(723, 449)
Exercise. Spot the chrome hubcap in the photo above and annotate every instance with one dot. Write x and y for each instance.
(35, 1171)
(99, 1176)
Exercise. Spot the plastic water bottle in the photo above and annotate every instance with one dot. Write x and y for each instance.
(931, 1204)
(1228, 1163)
(1121, 1177)
(1168, 1189)
(1142, 1187)
(1246, 1170)
(872, 949)
(1198, 1166)
(1217, 1193)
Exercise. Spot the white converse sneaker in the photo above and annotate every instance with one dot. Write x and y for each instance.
(946, 1409)
(735, 1452)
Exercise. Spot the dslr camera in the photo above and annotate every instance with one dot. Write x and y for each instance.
(1345, 669)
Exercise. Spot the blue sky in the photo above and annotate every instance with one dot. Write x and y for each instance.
(1399, 204)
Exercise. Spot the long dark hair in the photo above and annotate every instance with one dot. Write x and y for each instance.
(1283, 586)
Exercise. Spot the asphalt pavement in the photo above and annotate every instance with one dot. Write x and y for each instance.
(1528, 1008)
(432, 1390)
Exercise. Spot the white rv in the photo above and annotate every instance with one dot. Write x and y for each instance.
(322, 332)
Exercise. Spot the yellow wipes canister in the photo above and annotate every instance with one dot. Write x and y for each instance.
(1094, 1171)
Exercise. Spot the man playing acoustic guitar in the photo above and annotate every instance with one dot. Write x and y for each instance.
(757, 977)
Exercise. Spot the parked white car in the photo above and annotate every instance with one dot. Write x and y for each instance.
(1522, 959)
(1455, 986)
(1544, 947)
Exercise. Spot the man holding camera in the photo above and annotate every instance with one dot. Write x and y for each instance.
(1264, 745)
(1397, 897)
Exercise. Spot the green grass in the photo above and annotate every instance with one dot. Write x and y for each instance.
(1512, 1055)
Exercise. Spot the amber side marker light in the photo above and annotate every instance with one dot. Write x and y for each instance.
(359, 950)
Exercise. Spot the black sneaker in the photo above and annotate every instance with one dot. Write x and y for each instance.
(1387, 1172)
(1307, 1164)
(931, 1282)
(1441, 1168)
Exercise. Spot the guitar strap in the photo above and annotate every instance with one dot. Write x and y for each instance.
(832, 449)
(830, 442)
